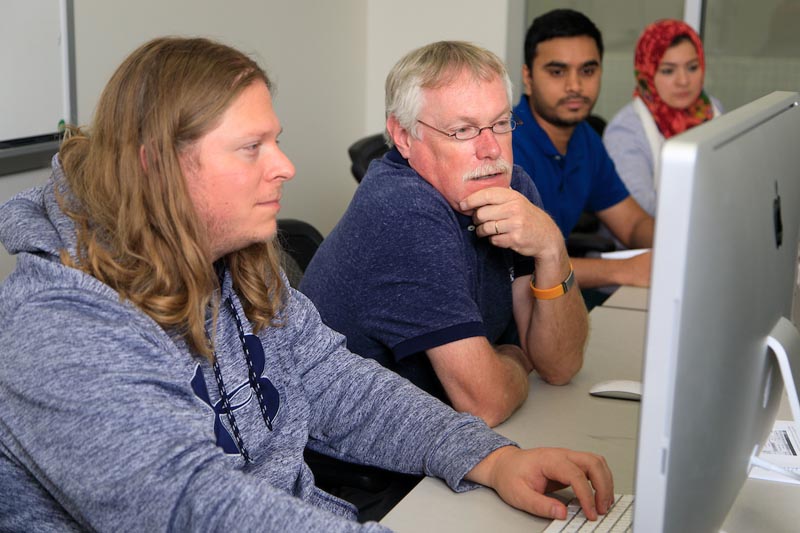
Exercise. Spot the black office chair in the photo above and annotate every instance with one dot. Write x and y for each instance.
(597, 123)
(363, 151)
(299, 242)
(585, 238)
(371, 489)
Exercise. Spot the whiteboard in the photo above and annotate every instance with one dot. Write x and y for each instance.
(37, 96)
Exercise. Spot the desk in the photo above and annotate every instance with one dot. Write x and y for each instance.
(567, 416)
(563, 416)
(634, 298)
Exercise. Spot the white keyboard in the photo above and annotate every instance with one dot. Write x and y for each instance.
(618, 519)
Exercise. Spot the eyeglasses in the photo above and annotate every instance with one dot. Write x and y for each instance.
(465, 133)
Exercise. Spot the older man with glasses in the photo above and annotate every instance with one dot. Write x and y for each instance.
(431, 270)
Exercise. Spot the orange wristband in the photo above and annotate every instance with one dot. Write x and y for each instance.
(554, 292)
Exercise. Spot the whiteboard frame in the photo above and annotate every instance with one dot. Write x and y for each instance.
(36, 152)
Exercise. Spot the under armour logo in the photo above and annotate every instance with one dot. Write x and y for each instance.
(239, 396)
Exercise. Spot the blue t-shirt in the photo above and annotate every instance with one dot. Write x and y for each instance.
(403, 272)
(582, 180)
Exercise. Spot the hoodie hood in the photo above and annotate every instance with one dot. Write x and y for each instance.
(33, 222)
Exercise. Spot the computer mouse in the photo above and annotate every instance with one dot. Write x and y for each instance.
(622, 389)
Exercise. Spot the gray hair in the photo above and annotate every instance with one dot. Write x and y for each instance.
(432, 66)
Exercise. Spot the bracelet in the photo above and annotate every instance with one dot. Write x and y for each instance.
(558, 290)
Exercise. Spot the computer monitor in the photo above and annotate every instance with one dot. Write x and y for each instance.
(725, 262)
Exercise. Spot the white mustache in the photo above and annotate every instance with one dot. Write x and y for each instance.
(501, 166)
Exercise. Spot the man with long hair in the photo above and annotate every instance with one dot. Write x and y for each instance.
(159, 373)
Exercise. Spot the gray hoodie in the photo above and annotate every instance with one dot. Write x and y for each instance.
(109, 423)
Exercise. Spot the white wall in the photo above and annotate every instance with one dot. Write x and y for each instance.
(313, 50)
(393, 31)
(328, 59)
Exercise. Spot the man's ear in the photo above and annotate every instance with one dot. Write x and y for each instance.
(400, 136)
(526, 80)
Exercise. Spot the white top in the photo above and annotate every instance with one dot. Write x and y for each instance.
(634, 144)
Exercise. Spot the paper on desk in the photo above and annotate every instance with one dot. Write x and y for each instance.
(781, 449)
(623, 254)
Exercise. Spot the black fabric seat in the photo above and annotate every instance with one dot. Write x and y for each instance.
(299, 241)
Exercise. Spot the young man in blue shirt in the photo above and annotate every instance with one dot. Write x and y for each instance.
(563, 154)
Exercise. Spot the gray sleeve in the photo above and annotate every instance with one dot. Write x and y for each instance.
(717, 104)
(367, 414)
(96, 408)
(626, 142)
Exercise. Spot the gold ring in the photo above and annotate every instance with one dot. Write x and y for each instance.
(496, 229)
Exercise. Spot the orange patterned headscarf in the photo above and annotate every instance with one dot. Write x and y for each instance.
(653, 44)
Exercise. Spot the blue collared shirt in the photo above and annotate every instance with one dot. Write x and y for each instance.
(402, 272)
(583, 179)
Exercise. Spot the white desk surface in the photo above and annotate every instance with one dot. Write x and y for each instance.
(634, 298)
(567, 416)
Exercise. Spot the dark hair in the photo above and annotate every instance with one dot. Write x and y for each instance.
(559, 23)
(679, 39)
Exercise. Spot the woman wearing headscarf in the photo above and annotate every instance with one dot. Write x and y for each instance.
(669, 99)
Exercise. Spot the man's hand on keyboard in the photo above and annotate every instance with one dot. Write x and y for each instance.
(522, 477)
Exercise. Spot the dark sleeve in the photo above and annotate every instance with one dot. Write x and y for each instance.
(418, 293)
(607, 187)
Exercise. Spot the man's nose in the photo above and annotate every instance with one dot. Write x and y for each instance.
(573, 82)
(487, 145)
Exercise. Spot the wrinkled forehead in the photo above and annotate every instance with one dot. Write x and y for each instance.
(468, 99)
(457, 84)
